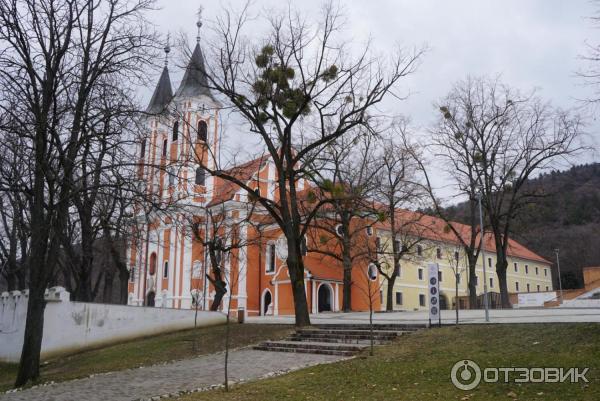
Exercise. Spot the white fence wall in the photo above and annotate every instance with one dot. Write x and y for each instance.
(535, 299)
(73, 326)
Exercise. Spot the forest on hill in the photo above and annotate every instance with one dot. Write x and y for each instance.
(566, 217)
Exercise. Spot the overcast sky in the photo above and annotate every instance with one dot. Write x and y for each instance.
(530, 43)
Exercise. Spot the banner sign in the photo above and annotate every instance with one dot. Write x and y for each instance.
(434, 293)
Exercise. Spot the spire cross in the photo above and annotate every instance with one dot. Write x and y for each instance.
(199, 22)
(167, 49)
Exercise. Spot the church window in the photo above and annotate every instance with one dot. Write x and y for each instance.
(202, 131)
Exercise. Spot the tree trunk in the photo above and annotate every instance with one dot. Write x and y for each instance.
(11, 280)
(107, 291)
(123, 286)
(220, 292)
(296, 269)
(472, 282)
(347, 293)
(29, 365)
(389, 305)
(501, 266)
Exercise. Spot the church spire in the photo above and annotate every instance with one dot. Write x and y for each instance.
(195, 81)
(163, 93)
(199, 23)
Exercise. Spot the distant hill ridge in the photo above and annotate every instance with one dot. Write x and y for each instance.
(568, 218)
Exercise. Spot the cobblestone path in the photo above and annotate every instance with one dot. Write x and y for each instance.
(159, 380)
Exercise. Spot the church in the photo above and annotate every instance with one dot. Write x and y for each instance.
(170, 264)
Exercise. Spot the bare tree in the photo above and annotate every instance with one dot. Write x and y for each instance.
(340, 231)
(298, 88)
(454, 150)
(54, 56)
(398, 190)
(509, 137)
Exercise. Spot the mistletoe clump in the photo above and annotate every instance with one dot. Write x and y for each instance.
(275, 86)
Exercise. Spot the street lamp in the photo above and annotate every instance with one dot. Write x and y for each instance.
(485, 292)
(559, 280)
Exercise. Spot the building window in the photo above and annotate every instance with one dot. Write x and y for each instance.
(438, 253)
(420, 271)
(369, 231)
(270, 258)
(546, 272)
(421, 300)
(372, 272)
(419, 250)
(491, 282)
(489, 262)
(516, 267)
(398, 246)
(476, 280)
(132, 274)
(165, 145)
(526, 269)
(547, 288)
(175, 131)
(398, 298)
(439, 276)
(171, 177)
(378, 245)
(202, 131)
(457, 278)
(537, 272)
(152, 266)
(456, 255)
(528, 288)
(538, 288)
(166, 269)
(517, 286)
(143, 149)
(200, 176)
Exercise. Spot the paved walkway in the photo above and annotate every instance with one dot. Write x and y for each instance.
(158, 380)
(541, 315)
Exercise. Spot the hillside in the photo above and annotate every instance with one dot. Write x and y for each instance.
(568, 218)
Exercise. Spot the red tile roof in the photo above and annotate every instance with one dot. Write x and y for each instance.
(430, 227)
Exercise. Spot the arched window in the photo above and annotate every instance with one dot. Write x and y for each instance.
(152, 267)
(270, 267)
(143, 151)
(175, 131)
(200, 176)
(166, 269)
(202, 131)
(165, 145)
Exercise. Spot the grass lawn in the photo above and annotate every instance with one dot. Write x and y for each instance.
(417, 367)
(147, 351)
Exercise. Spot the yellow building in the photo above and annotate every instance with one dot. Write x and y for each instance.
(527, 271)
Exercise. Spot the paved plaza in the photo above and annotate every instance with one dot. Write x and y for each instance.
(530, 315)
(171, 378)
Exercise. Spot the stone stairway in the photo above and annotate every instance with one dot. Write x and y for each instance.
(338, 339)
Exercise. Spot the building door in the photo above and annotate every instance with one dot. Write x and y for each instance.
(325, 298)
(150, 298)
(267, 299)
